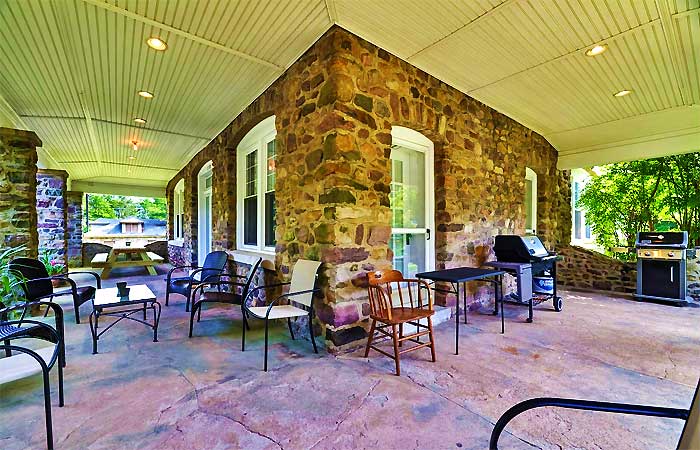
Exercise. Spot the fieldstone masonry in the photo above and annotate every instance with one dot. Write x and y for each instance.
(335, 109)
(51, 211)
(74, 228)
(18, 218)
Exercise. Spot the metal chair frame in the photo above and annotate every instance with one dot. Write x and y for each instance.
(190, 281)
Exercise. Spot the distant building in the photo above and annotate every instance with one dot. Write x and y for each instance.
(120, 231)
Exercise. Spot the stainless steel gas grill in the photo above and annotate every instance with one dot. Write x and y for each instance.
(526, 258)
(661, 271)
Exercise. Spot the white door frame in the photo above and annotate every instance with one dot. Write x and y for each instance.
(202, 193)
(413, 140)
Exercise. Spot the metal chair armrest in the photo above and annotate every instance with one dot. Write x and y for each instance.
(98, 280)
(170, 272)
(586, 405)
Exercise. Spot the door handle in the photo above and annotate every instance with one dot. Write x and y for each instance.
(427, 230)
(671, 274)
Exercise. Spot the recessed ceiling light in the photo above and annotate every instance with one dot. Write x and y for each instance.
(132, 157)
(596, 50)
(135, 145)
(157, 44)
(145, 94)
(139, 120)
(622, 93)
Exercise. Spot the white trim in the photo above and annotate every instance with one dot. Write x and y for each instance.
(413, 140)
(531, 175)
(179, 210)
(256, 139)
(203, 192)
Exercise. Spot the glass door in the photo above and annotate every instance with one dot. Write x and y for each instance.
(411, 208)
(205, 215)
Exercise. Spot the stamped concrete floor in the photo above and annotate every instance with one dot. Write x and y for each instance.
(204, 393)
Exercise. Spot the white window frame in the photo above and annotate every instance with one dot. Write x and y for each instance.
(179, 211)
(256, 139)
(202, 191)
(531, 209)
(580, 178)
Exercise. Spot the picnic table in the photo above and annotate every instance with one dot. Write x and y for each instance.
(135, 255)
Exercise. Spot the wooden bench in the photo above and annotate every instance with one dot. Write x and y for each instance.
(155, 257)
(99, 260)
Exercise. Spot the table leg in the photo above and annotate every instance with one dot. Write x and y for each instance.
(456, 289)
(529, 306)
(500, 296)
(111, 259)
(151, 269)
(93, 331)
(156, 319)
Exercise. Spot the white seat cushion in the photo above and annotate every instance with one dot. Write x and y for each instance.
(279, 312)
(21, 365)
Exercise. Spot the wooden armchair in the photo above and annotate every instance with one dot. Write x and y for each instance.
(415, 304)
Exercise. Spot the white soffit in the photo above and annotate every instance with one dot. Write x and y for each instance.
(70, 70)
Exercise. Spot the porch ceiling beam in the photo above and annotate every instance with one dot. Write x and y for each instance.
(572, 53)
(184, 34)
(673, 42)
(466, 26)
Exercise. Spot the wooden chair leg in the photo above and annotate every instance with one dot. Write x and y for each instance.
(432, 339)
(370, 337)
(397, 356)
(400, 334)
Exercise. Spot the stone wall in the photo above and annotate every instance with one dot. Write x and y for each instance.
(335, 109)
(590, 270)
(18, 218)
(74, 228)
(51, 213)
(178, 255)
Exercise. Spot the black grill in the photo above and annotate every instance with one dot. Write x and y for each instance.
(661, 266)
(526, 257)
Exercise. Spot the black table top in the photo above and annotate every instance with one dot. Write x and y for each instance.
(460, 274)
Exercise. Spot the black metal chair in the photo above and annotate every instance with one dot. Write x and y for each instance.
(213, 268)
(689, 440)
(25, 361)
(234, 295)
(299, 302)
(38, 286)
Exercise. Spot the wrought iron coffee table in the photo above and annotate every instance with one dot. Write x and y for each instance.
(107, 302)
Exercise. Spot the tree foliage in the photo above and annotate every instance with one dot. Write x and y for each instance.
(119, 206)
(636, 196)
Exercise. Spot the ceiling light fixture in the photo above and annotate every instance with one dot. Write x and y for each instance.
(622, 93)
(132, 157)
(139, 120)
(135, 145)
(596, 50)
(157, 44)
(145, 94)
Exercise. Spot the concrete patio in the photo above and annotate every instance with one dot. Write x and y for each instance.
(203, 393)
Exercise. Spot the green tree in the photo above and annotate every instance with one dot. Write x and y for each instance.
(100, 206)
(153, 208)
(623, 201)
(681, 176)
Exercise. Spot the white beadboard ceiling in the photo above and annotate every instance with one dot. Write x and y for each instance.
(70, 70)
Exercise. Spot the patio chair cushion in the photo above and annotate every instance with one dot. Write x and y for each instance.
(21, 365)
(279, 312)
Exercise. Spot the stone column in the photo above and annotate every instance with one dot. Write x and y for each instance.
(51, 212)
(18, 217)
(74, 228)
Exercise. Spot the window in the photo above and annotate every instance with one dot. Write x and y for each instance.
(256, 176)
(204, 211)
(581, 230)
(178, 210)
(530, 201)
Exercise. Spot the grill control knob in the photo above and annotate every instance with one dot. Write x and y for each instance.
(647, 253)
(671, 254)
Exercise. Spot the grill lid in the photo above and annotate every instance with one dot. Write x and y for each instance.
(515, 248)
(668, 239)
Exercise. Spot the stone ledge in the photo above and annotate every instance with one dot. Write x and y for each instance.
(19, 138)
